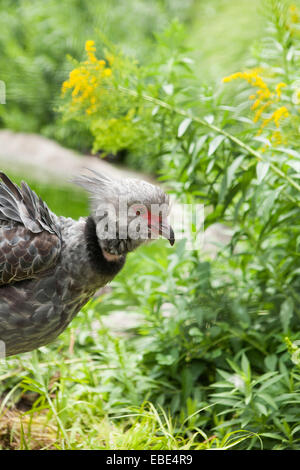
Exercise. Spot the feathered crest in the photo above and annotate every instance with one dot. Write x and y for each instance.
(104, 189)
(93, 184)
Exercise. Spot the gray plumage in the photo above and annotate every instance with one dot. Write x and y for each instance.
(51, 266)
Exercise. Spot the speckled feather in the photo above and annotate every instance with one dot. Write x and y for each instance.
(51, 266)
(46, 277)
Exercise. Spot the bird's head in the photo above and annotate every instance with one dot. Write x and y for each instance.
(127, 212)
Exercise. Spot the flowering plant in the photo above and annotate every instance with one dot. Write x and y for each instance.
(234, 148)
(240, 159)
(108, 95)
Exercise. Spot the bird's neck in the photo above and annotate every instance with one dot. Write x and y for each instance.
(100, 261)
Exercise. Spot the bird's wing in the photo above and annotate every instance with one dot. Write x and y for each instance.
(30, 241)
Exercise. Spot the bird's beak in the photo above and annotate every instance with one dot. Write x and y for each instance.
(161, 227)
(166, 231)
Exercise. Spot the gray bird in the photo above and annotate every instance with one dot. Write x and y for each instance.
(51, 266)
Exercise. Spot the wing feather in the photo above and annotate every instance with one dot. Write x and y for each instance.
(30, 240)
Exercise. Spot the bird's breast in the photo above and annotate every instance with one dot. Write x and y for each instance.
(34, 312)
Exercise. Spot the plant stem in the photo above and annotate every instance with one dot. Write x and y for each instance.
(217, 129)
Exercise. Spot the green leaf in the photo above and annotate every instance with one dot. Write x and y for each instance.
(183, 127)
(223, 189)
(232, 168)
(261, 170)
(214, 144)
(168, 88)
(268, 383)
(294, 164)
(261, 408)
(271, 361)
(246, 366)
(286, 313)
(268, 399)
(210, 166)
(267, 204)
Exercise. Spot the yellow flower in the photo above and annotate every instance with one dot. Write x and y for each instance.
(92, 57)
(294, 14)
(107, 72)
(279, 86)
(263, 99)
(251, 76)
(89, 110)
(100, 64)
(259, 112)
(90, 46)
(277, 138)
(279, 114)
(85, 81)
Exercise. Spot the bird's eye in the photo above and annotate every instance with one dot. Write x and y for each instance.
(138, 212)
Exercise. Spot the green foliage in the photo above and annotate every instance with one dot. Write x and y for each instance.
(213, 330)
(215, 344)
(120, 118)
(35, 39)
